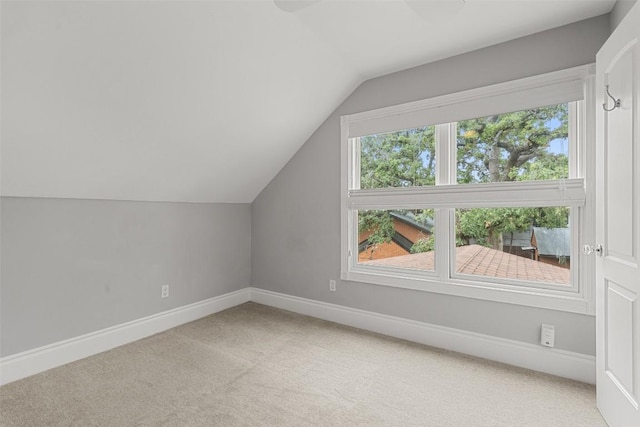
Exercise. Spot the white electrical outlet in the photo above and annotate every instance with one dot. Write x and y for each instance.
(548, 335)
(164, 292)
(332, 285)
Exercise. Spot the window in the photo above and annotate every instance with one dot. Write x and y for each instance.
(481, 193)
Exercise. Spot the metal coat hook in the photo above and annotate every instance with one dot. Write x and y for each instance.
(616, 102)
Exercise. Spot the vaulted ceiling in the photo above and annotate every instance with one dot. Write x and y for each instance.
(205, 101)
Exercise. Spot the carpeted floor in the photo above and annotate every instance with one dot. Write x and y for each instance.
(254, 365)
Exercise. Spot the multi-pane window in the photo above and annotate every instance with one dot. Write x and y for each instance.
(493, 201)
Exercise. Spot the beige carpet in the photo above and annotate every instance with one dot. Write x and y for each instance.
(258, 366)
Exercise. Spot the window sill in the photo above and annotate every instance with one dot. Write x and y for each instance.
(554, 300)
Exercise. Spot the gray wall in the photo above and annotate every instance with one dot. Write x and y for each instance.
(70, 267)
(296, 218)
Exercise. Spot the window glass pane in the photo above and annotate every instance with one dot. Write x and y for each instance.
(398, 159)
(528, 145)
(530, 244)
(397, 238)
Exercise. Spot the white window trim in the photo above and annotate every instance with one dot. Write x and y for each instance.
(544, 89)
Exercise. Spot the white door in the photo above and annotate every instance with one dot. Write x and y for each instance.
(618, 225)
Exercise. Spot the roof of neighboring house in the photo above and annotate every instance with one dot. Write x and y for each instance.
(410, 219)
(553, 241)
(483, 261)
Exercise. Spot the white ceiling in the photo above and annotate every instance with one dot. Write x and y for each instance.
(207, 100)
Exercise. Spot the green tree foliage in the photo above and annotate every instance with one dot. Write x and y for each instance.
(549, 166)
(502, 147)
(505, 147)
(380, 226)
(486, 226)
(425, 244)
(428, 243)
(398, 159)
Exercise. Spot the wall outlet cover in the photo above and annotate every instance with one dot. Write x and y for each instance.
(547, 335)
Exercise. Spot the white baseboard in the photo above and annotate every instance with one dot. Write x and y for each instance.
(562, 363)
(31, 362)
(553, 361)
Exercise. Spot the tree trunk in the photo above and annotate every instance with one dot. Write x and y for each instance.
(495, 239)
(494, 164)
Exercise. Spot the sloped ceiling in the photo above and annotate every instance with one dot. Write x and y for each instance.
(205, 101)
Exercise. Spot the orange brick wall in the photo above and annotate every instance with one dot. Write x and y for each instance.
(385, 250)
(391, 249)
(408, 231)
